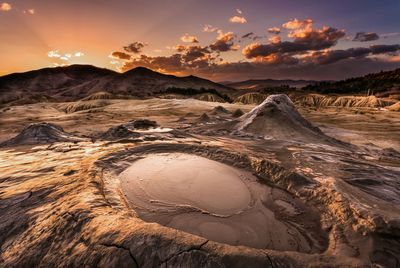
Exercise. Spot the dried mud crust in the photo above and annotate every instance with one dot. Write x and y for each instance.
(322, 218)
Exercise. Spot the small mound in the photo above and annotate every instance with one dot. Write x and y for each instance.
(84, 105)
(119, 132)
(219, 110)
(141, 124)
(41, 133)
(237, 113)
(277, 117)
(204, 118)
(127, 130)
(251, 98)
(395, 107)
(315, 100)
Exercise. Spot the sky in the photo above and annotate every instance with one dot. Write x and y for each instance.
(219, 40)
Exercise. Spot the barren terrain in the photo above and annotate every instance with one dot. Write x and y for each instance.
(333, 190)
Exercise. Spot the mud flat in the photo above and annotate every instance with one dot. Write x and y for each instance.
(215, 201)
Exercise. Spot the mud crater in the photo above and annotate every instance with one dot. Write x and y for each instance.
(214, 194)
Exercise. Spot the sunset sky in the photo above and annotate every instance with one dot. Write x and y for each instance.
(219, 40)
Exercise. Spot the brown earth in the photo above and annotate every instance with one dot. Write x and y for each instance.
(62, 203)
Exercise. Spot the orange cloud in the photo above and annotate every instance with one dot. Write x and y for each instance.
(274, 30)
(5, 7)
(275, 39)
(238, 19)
(225, 42)
(120, 55)
(296, 24)
(189, 38)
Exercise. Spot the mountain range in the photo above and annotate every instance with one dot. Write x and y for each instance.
(79, 81)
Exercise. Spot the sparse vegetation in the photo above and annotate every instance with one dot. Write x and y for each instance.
(370, 84)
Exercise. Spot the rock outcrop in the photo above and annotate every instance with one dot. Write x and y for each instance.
(395, 107)
(251, 98)
(84, 105)
(317, 100)
(219, 110)
(141, 124)
(119, 132)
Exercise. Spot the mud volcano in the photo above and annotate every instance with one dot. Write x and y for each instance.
(219, 202)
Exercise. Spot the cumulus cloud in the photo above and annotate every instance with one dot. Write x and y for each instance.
(209, 28)
(238, 19)
(120, 55)
(274, 39)
(192, 53)
(309, 53)
(332, 56)
(365, 37)
(135, 47)
(5, 7)
(311, 40)
(189, 38)
(274, 30)
(296, 24)
(224, 42)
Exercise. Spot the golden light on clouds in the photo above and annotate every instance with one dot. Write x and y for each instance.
(189, 38)
(64, 59)
(238, 19)
(5, 7)
(275, 39)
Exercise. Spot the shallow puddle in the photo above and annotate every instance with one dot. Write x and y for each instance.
(213, 200)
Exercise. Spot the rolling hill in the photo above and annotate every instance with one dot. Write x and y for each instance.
(257, 84)
(79, 81)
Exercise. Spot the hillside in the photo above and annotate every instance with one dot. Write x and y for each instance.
(257, 84)
(381, 84)
(79, 81)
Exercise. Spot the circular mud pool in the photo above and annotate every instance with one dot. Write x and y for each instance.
(219, 202)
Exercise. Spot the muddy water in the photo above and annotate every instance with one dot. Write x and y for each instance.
(215, 201)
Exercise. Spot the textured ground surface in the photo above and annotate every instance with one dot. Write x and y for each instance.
(61, 204)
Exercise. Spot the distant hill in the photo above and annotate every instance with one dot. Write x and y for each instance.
(257, 84)
(79, 81)
(380, 84)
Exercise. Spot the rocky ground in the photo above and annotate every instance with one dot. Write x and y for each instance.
(62, 203)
